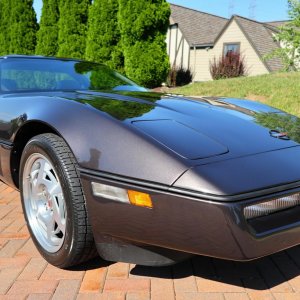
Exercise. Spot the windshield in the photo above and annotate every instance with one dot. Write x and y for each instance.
(25, 74)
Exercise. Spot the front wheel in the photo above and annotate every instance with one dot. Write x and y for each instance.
(53, 202)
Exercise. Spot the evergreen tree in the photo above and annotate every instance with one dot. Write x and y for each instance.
(2, 31)
(103, 38)
(143, 26)
(4, 26)
(47, 36)
(72, 28)
(1, 28)
(23, 27)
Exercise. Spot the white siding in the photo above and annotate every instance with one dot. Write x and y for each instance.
(171, 42)
(199, 64)
(182, 55)
(186, 54)
(234, 34)
(178, 48)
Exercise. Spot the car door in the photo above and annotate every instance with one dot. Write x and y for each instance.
(8, 120)
(5, 130)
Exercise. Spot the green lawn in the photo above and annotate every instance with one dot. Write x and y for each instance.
(281, 90)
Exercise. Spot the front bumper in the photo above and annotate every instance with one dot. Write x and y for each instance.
(190, 224)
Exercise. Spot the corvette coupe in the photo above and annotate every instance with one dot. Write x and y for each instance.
(106, 166)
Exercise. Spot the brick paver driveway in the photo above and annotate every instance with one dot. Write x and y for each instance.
(24, 274)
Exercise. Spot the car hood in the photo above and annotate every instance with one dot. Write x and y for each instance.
(199, 129)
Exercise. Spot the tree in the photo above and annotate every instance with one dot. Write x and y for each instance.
(72, 28)
(4, 26)
(289, 39)
(143, 26)
(47, 36)
(103, 38)
(22, 27)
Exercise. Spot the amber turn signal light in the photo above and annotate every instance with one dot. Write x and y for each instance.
(140, 199)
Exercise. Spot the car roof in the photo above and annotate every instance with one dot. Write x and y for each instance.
(35, 57)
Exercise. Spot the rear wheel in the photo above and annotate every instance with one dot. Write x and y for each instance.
(53, 202)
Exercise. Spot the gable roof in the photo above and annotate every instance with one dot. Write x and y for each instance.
(260, 36)
(198, 28)
(203, 29)
(277, 23)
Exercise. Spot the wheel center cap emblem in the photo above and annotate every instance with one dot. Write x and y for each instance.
(279, 135)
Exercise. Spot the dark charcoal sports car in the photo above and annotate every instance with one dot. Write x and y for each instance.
(147, 178)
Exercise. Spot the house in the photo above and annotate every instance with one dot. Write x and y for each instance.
(195, 38)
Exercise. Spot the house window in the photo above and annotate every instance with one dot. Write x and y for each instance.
(231, 48)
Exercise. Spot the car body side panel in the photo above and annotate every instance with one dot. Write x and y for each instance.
(5, 172)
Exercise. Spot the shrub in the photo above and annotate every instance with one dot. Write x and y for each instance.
(179, 76)
(228, 66)
(146, 63)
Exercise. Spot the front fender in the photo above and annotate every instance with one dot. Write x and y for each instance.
(101, 142)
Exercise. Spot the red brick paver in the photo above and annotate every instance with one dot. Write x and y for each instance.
(24, 274)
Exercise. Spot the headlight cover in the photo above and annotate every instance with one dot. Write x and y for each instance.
(272, 206)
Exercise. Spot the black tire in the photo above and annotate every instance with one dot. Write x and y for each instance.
(78, 245)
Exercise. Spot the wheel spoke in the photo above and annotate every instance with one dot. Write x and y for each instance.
(56, 189)
(33, 181)
(50, 228)
(33, 175)
(59, 215)
(41, 220)
(50, 175)
(41, 172)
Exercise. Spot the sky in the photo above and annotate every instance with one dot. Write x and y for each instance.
(264, 10)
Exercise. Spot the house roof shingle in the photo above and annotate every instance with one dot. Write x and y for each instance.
(198, 28)
(277, 23)
(260, 36)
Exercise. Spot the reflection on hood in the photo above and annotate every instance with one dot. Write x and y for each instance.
(281, 122)
(120, 110)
